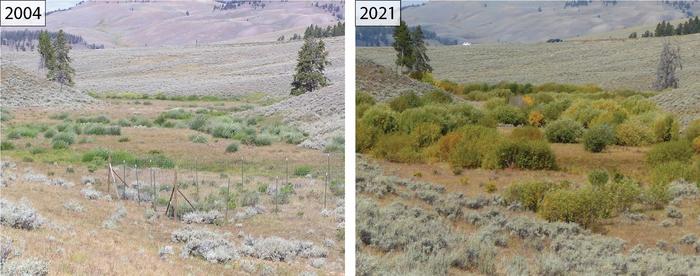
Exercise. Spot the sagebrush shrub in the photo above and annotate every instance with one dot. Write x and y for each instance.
(597, 138)
(364, 98)
(302, 170)
(64, 137)
(563, 131)
(670, 151)
(199, 139)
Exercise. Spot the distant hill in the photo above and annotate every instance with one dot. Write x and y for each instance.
(530, 21)
(155, 23)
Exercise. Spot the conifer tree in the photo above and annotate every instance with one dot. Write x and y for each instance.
(422, 60)
(45, 49)
(60, 69)
(403, 46)
(311, 64)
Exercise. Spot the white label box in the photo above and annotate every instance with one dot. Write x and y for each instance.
(23, 13)
(377, 13)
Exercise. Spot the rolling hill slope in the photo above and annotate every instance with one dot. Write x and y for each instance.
(128, 24)
(529, 21)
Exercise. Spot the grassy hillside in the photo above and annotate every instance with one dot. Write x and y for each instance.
(118, 24)
(529, 21)
(623, 64)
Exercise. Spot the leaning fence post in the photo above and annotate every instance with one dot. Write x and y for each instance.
(138, 186)
(176, 190)
(153, 185)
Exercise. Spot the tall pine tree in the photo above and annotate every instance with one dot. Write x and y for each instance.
(422, 60)
(404, 47)
(46, 52)
(311, 63)
(60, 69)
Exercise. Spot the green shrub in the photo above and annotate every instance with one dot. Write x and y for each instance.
(64, 137)
(526, 133)
(436, 97)
(101, 119)
(95, 154)
(579, 206)
(198, 122)
(37, 150)
(123, 139)
(425, 134)
(397, 148)
(670, 151)
(364, 98)
(597, 138)
(365, 137)
(411, 118)
(531, 194)
(60, 144)
(262, 140)
(381, 117)
(472, 144)
(59, 116)
(632, 134)
(199, 139)
(598, 178)
(666, 129)
(522, 154)
(616, 197)
(494, 103)
(99, 129)
(665, 173)
(405, 101)
(656, 195)
(553, 110)
(638, 104)
(224, 130)
(233, 147)
(302, 170)
(49, 133)
(563, 131)
(509, 115)
(693, 130)
(6, 145)
(336, 144)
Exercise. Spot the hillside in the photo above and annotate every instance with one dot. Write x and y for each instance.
(224, 70)
(621, 64)
(129, 24)
(529, 21)
(383, 83)
(23, 89)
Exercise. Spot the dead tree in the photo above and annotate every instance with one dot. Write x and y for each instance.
(669, 62)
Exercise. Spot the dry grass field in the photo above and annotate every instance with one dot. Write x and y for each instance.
(78, 243)
(619, 64)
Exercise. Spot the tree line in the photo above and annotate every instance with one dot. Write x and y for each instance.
(53, 52)
(329, 31)
(26, 40)
(665, 28)
(381, 36)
